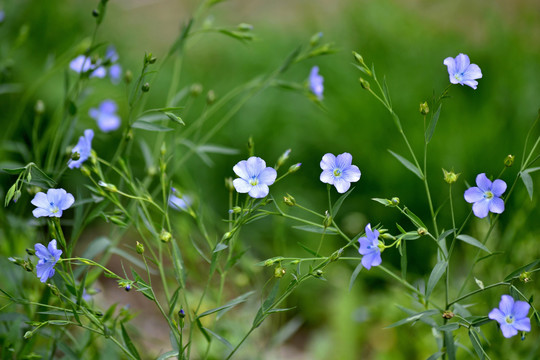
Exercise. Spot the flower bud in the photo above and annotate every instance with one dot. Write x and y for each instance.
(210, 97)
(327, 220)
(39, 108)
(424, 108)
(195, 90)
(289, 200)
(283, 158)
(28, 266)
(387, 236)
(422, 231)
(17, 195)
(75, 156)
(251, 146)
(336, 254)
(294, 168)
(128, 287)
(314, 41)
(140, 248)
(244, 27)
(509, 160)
(364, 83)
(395, 201)
(145, 87)
(30, 251)
(95, 13)
(447, 314)
(165, 236)
(359, 58)
(107, 186)
(181, 314)
(235, 210)
(525, 277)
(128, 76)
(229, 184)
(54, 289)
(450, 177)
(279, 272)
(319, 273)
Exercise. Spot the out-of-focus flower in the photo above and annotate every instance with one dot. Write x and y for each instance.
(462, 72)
(2, 16)
(339, 172)
(106, 116)
(180, 203)
(48, 257)
(83, 148)
(369, 248)
(254, 177)
(115, 70)
(512, 316)
(486, 197)
(316, 82)
(53, 203)
(82, 64)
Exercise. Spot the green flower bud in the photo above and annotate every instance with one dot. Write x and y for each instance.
(95, 13)
(327, 220)
(422, 231)
(509, 160)
(294, 168)
(289, 200)
(395, 201)
(279, 272)
(128, 76)
(336, 255)
(283, 158)
(424, 108)
(210, 97)
(244, 27)
(195, 90)
(165, 236)
(145, 87)
(525, 277)
(364, 83)
(251, 146)
(140, 248)
(319, 273)
(450, 177)
(229, 184)
(39, 108)
(75, 156)
(314, 41)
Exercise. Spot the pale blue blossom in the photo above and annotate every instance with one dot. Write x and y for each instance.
(316, 82)
(83, 148)
(48, 257)
(106, 116)
(462, 72)
(512, 316)
(339, 171)
(254, 177)
(83, 64)
(369, 248)
(53, 203)
(486, 196)
(180, 202)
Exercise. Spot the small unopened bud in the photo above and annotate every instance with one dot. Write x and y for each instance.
(128, 76)
(447, 314)
(140, 248)
(509, 160)
(151, 171)
(336, 255)
(229, 184)
(75, 156)
(28, 334)
(424, 108)
(422, 231)
(195, 90)
(226, 236)
(39, 108)
(294, 168)
(165, 236)
(251, 146)
(54, 289)
(364, 83)
(110, 187)
(283, 158)
(210, 97)
(327, 220)
(30, 251)
(387, 236)
(128, 287)
(279, 272)
(152, 60)
(28, 266)
(235, 210)
(450, 177)
(525, 277)
(244, 27)
(181, 314)
(359, 58)
(145, 87)
(395, 201)
(314, 41)
(289, 200)
(319, 273)
(17, 195)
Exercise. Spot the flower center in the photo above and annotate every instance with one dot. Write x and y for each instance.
(509, 319)
(54, 208)
(488, 195)
(337, 172)
(254, 181)
(458, 77)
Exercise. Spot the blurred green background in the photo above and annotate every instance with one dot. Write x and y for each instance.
(407, 41)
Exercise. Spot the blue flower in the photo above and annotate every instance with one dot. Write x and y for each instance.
(316, 82)
(83, 64)
(83, 147)
(461, 70)
(53, 203)
(369, 248)
(48, 257)
(255, 177)
(512, 316)
(115, 71)
(2, 16)
(105, 116)
(486, 197)
(339, 172)
(111, 54)
(181, 203)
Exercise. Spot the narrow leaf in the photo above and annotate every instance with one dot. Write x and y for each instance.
(230, 304)
(129, 344)
(146, 125)
(175, 118)
(472, 241)
(414, 317)
(409, 165)
(435, 276)
(477, 345)
(432, 124)
(220, 338)
(517, 272)
(355, 275)
(316, 229)
(339, 202)
(528, 182)
(178, 264)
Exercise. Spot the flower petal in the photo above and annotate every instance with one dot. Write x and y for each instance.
(364, 243)
(498, 187)
(471, 83)
(240, 169)
(39, 212)
(508, 330)
(481, 208)
(328, 162)
(371, 259)
(255, 165)
(523, 324)
(107, 107)
(343, 161)
(462, 62)
(521, 309)
(451, 64)
(268, 176)
(327, 177)
(259, 191)
(473, 195)
(497, 315)
(242, 186)
(483, 182)
(41, 251)
(341, 185)
(351, 174)
(506, 304)
(472, 72)
(40, 200)
(496, 205)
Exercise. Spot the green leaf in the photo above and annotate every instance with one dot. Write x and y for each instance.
(432, 124)
(179, 43)
(96, 247)
(220, 247)
(178, 264)
(450, 345)
(15, 171)
(202, 329)
(268, 302)
(317, 229)
(403, 253)
(527, 180)
(477, 345)
(448, 327)
(168, 355)
(480, 320)
(220, 338)
(415, 219)
(414, 318)
(312, 252)
(10, 194)
(129, 344)
(385, 202)
(355, 275)
(175, 118)
(227, 306)
(435, 276)
(339, 202)
(435, 356)
(143, 286)
(409, 165)
(517, 272)
(146, 125)
(472, 241)
(39, 178)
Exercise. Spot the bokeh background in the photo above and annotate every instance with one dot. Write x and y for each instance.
(407, 41)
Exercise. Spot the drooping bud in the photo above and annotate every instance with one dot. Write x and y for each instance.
(279, 272)
(525, 277)
(314, 41)
(424, 108)
(283, 158)
(289, 200)
(509, 160)
(450, 177)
